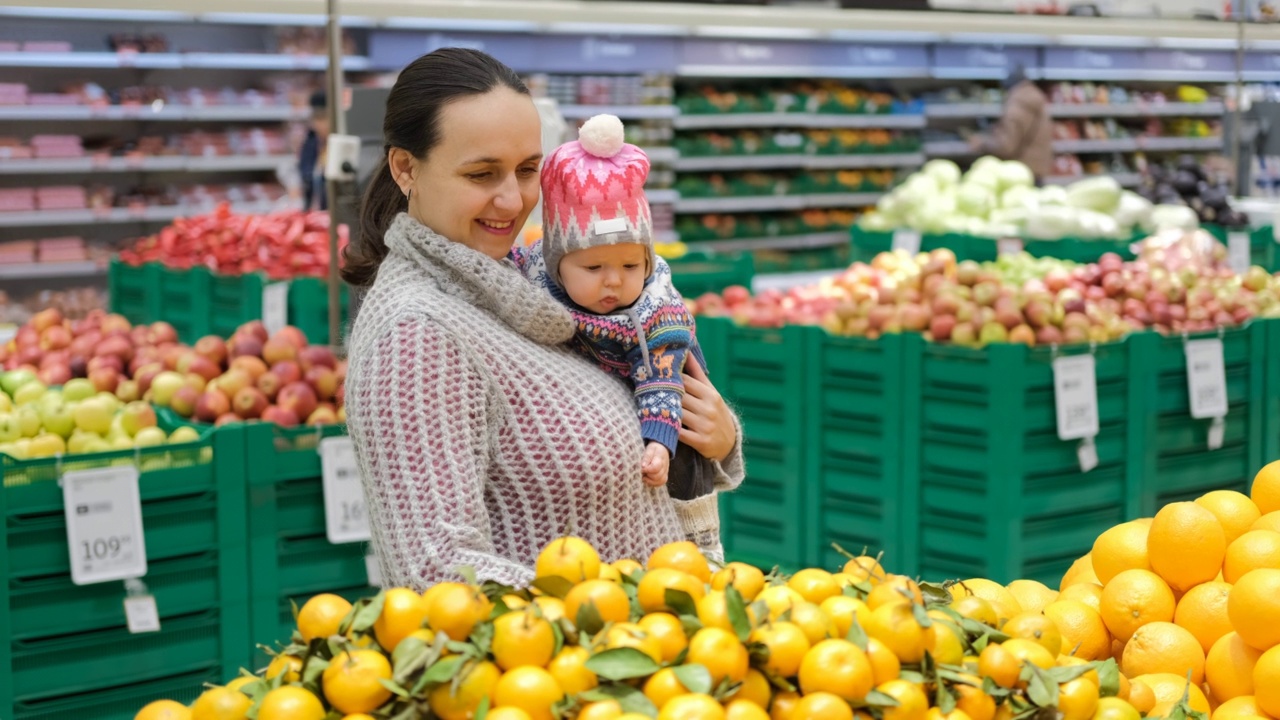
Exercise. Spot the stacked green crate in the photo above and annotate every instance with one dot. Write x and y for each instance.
(1263, 250)
(868, 244)
(309, 307)
(290, 557)
(69, 654)
(991, 490)
(695, 273)
(853, 488)
(130, 290)
(233, 300)
(1176, 460)
(184, 301)
(761, 374)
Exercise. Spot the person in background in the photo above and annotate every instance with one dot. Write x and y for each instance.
(1025, 130)
(311, 155)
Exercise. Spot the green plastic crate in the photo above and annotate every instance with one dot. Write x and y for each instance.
(120, 703)
(309, 308)
(184, 301)
(233, 301)
(66, 642)
(1263, 249)
(760, 373)
(696, 273)
(991, 490)
(129, 288)
(853, 435)
(867, 244)
(290, 557)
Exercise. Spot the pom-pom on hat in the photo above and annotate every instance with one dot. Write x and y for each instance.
(593, 194)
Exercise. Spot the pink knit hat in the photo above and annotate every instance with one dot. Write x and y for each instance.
(593, 194)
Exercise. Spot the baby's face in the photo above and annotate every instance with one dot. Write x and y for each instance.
(603, 279)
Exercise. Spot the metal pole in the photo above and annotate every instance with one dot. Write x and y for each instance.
(337, 125)
(1237, 123)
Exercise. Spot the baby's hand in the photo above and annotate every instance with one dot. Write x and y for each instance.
(657, 460)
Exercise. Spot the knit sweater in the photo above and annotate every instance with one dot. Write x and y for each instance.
(646, 343)
(479, 435)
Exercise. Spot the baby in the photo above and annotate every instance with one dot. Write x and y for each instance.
(597, 257)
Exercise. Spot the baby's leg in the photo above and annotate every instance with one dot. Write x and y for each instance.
(691, 484)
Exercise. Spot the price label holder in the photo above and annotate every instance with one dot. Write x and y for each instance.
(103, 511)
(906, 240)
(344, 511)
(1009, 246)
(140, 610)
(1238, 252)
(1207, 386)
(1075, 394)
(275, 306)
(373, 570)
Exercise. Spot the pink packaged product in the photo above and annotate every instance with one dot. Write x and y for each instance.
(9, 47)
(17, 200)
(13, 93)
(61, 197)
(18, 252)
(53, 46)
(57, 146)
(64, 249)
(56, 99)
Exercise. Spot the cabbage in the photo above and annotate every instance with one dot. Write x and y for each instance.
(944, 172)
(1134, 210)
(1010, 216)
(999, 230)
(891, 207)
(1053, 195)
(1178, 217)
(1014, 174)
(1100, 194)
(1020, 198)
(1053, 223)
(1096, 226)
(985, 171)
(919, 186)
(975, 200)
(877, 222)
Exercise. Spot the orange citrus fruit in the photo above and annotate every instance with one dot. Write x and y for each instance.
(864, 568)
(784, 706)
(1037, 628)
(823, 706)
(1169, 688)
(1238, 708)
(692, 707)
(569, 668)
(814, 585)
(1266, 488)
(683, 556)
(627, 566)
(779, 599)
(999, 664)
(668, 631)
(912, 703)
(632, 635)
(1162, 647)
(602, 710)
(289, 665)
(351, 682)
(1270, 521)
(1254, 608)
(836, 666)
(609, 599)
(896, 626)
(843, 610)
(1141, 696)
(713, 610)
(1080, 571)
(403, 611)
(1088, 593)
(503, 713)
(1077, 699)
(321, 615)
(1115, 708)
(1266, 682)
(1134, 598)
(755, 689)
(1029, 651)
(744, 710)
(814, 621)
(1187, 545)
(975, 608)
(1003, 601)
(885, 666)
(456, 609)
(477, 682)
(1229, 667)
(531, 689)
(748, 579)
(972, 700)
(570, 558)
(522, 638)
(1252, 550)
(1203, 611)
(164, 710)
(220, 703)
(664, 686)
(721, 652)
(290, 702)
(1234, 510)
(894, 589)
(1031, 595)
(652, 590)
(1123, 547)
(787, 645)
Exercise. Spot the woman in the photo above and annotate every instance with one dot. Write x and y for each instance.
(480, 437)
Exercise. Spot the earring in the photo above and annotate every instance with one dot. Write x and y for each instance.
(408, 197)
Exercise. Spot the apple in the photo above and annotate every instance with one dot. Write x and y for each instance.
(249, 403)
(184, 400)
(232, 381)
(150, 437)
(105, 379)
(115, 345)
(57, 374)
(244, 346)
(270, 383)
(325, 380)
(165, 385)
(146, 376)
(195, 382)
(226, 419)
(10, 429)
(278, 350)
(162, 332)
(183, 435)
(255, 329)
(171, 355)
(28, 420)
(58, 418)
(115, 323)
(135, 416)
(211, 406)
(128, 391)
(288, 372)
(94, 416)
(280, 416)
(55, 337)
(47, 318)
(251, 364)
(46, 445)
(83, 345)
(78, 389)
(212, 348)
(12, 380)
(298, 397)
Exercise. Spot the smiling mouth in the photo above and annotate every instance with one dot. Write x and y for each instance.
(494, 225)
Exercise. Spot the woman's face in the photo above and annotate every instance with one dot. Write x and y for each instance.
(480, 182)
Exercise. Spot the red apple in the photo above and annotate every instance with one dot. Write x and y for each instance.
(162, 332)
(249, 403)
(84, 344)
(226, 419)
(233, 381)
(250, 364)
(316, 355)
(105, 379)
(204, 367)
(146, 374)
(115, 345)
(56, 357)
(128, 391)
(54, 374)
(139, 336)
(289, 372)
(292, 335)
(45, 319)
(245, 346)
(170, 355)
(213, 348)
(280, 416)
(298, 397)
(211, 406)
(324, 381)
(55, 337)
(79, 366)
(323, 416)
(270, 383)
(115, 323)
(254, 328)
(278, 349)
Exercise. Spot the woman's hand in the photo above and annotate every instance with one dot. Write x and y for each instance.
(708, 423)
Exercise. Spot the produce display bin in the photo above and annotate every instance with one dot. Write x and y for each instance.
(761, 373)
(1264, 249)
(69, 653)
(695, 273)
(290, 557)
(990, 489)
(198, 302)
(867, 244)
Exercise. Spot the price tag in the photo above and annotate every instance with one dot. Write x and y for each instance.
(373, 570)
(1008, 246)
(1206, 378)
(907, 240)
(1075, 394)
(104, 524)
(1238, 252)
(275, 306)
(1087, 454)
(141, 614)
(344, 512)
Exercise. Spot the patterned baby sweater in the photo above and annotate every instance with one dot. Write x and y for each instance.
(647, 343)
(479, 435)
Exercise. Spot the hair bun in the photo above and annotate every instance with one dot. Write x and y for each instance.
(602, 136)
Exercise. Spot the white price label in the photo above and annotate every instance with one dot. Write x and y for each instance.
(104, 524)
(1087, 454)
(373, 570)
(275, 306)
(1217, 433)
(1008, 246)
(1075, 394)
(906, 240)
(1206, 378)
(1238, 252)
(345, 517)
(141, 614)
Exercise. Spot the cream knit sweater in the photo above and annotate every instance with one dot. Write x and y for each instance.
(480, 437)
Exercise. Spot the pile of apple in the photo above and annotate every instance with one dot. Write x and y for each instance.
(37, 421)
(99, 347)
(1017, 299)
(251, 376)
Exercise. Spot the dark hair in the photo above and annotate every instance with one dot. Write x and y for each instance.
(412, 123)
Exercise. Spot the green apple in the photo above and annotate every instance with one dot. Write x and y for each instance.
(78, 389)
(149, 437)
(97, 445)
(12, 380)
(47, 445)
(79, 442)
(21, 449)
(5, 403)
(94, 415)
(29, 392)
(10, 429)
(136, 416)
(59, 419)
(123, 442)
(117, 429)
(184, 434)
(28, 421)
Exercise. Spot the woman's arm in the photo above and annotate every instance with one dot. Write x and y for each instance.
(420, 422)
(711, 428)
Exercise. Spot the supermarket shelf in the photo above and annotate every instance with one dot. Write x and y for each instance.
(666, 237)
(843, 199)
(949, 148)
(813, 162)
(164, 213)
(1125, 179)
(1204, 143)
(1154, 144)
(767, 203)
(176, 61)
(662, 197)
(963, 110)
(796, 120)
(40, 271)
(789, 242)
(237, 163)
(661, 155)
(1204, 109)
(1096, 146)
(150, 113)
(625, 112)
